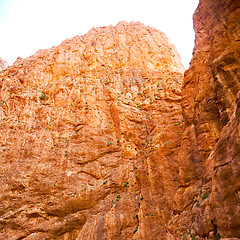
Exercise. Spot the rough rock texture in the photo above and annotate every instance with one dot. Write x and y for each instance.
(208, 200)
(3, 64)
(99, 142)
(90, 134)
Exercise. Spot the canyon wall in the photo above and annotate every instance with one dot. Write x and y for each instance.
(90, 134)
(103, 138)
(208, 200)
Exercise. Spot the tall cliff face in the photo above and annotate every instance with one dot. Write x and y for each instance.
(100, 139)
(90, 134)
(208, 200)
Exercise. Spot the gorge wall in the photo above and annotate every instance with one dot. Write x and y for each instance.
(208, 199)
(102, 137)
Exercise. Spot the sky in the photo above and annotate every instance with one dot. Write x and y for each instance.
(29, 25)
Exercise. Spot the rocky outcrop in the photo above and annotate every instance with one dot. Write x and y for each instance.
(3, 64)
(90, 134)
(208, 200)
(101, 139)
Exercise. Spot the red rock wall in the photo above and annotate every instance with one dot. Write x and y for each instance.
(208, 200)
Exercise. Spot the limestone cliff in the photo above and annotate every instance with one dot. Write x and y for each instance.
(208, 200)
(90, 134)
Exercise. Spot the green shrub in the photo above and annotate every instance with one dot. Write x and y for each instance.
(42, 97)
(217, 236)
(118, 197)
(204, 196)
(136, 229)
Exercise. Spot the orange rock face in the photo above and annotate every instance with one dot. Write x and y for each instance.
(208, 200)
(90, 134)
(101, 138)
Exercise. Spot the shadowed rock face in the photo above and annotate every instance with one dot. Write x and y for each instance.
(208, 200)
(90, 134)
(3, 64)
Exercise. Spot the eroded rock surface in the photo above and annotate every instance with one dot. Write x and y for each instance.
(98, 141)
(208, 200)
(90, 134)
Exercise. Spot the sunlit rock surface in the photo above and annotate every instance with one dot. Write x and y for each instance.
(101, 138)
(90, 135)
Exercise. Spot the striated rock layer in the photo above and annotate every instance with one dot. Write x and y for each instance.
(90, 134)
(208, 200)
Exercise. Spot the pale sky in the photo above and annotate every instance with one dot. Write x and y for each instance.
(29, 25)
